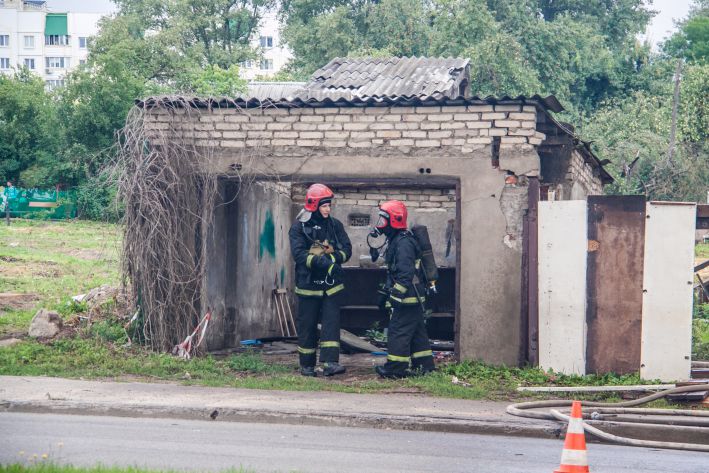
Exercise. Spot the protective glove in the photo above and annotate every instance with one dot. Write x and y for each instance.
(321, 262)
(382, 297)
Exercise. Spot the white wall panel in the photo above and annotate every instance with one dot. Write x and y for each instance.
(562, 286)
(667, 291)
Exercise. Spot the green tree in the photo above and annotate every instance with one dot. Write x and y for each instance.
(214, 81)
(30, 137)
(691, 42)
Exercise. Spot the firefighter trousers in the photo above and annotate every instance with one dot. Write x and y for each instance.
(326, 311)
(408, 341)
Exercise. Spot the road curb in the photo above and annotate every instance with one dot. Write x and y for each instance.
(541, 429)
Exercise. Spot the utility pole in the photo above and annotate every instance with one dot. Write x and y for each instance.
(675, 103)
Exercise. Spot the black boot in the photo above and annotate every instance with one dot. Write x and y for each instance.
(385, 373)
(331, 369)
(308, 371)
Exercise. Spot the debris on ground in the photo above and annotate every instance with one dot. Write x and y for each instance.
(45, 324)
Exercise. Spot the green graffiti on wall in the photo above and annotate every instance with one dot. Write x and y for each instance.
(267, 240)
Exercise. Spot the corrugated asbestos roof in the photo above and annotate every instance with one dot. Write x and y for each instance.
(393, 77)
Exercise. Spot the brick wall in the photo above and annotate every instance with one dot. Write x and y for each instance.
(416, 131)
(582, 178)
(373, 196)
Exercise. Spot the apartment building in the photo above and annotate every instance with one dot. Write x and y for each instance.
(274, 53)
(49, 44)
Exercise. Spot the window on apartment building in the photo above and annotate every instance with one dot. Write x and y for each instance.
(248, 64)
(29, 42)
(266, 64)
(29, 63)
(4, 63)
(266, 41)
(56, 40)
(57, 62)
(53, 83)
(4, 40)
(83, 42)
(82, 62)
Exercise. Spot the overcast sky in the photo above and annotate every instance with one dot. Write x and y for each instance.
(662, 24)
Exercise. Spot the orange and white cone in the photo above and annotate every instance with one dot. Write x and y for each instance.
(573, 457)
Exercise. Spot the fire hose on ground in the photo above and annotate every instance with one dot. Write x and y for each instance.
(694, 418)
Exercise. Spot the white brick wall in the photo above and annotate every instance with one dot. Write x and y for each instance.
(452, 130)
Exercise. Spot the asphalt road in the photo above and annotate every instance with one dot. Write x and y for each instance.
(216, 446)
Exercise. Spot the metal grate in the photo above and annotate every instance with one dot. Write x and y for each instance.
(359, 220)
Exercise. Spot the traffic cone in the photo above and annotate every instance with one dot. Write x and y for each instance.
(573, 457)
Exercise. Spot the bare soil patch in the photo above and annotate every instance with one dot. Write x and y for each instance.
(15, 301)
(41, 269)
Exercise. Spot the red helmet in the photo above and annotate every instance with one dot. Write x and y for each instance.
(394, 213)
(315, 194)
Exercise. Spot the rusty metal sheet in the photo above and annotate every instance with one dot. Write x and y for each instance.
(616, 228)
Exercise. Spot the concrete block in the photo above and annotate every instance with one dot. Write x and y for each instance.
(507, 124)
(261, 119)
(529, 108)
(355, 126)
(523, 116)
(480, 124)
(479, 140)
(428, 143)
(430, 205)
(497, 132)
(367, 202)
(302, 111)
(440, 134)
(253, 126)
(453, 142)
(389, 118)
(376, 110)
(327, 111)
(531, 125)
(513, 140)
(493, 116)
(389, 134)
(257, 143)
(414, 134)
(336, 135)
(381, 126)
(312, 119)
(413, 118)
(236, 118)
(508, 108)
(480, 108)
(277, 142)
(260, 134)
(434, 109)
(466, 116)
(330, 127)
(359, 144)
(308, 135)
(452, 125)
(362, 135)
(376, 196)
(276, 111)
(407, 142)
(334, 143)
(305, 126)
(308, 142)
(535, 141)
(232, 144)
(430, 126)
(227, 126)
(285, 134)
(279, 126)
(363, 118)
(442, 117)
(520, 132)
(406, 126)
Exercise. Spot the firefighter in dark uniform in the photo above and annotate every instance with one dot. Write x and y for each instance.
(319, 246)
(409, 349)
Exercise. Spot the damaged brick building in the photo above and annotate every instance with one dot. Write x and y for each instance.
(470, 168)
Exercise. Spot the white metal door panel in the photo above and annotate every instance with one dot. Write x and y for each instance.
(562, 286)
(666, 343)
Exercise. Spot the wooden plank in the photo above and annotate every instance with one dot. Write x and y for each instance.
(616, 226)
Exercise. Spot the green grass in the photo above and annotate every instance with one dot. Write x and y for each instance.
(53, 261)
(36, 464)
(702, 250)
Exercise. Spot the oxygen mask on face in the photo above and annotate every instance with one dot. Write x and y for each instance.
(374, 250)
